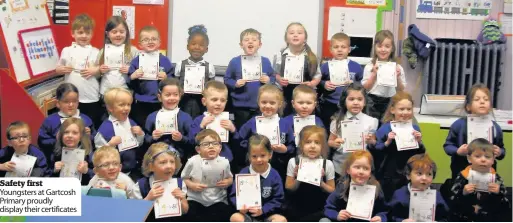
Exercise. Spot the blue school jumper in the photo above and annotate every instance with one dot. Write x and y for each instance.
(333, 97)
(128, 157)
(400, 206)
(288, 122)
(85, 177)
(145, 187)
(226, 152)
(146, 90)
(40, 167)
(458, 136)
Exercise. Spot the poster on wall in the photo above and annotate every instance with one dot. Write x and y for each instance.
(348, 20)
(39, 50)
(366, 2)
(149, 2)
(454, 9)
(128, 13)
(18, 5)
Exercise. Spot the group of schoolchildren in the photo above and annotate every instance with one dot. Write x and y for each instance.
(82, 123)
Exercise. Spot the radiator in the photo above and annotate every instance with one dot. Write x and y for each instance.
(453, 68)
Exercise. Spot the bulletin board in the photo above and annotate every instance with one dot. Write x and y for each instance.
(39, 50)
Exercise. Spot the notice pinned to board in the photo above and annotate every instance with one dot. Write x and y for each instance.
(127, 13)
(148, 2)
(506, 24)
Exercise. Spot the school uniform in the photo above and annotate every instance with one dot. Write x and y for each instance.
(289, 124)
(114, 78)
(244, 99)
(40, 168)
(458, 136)
(329, 99)
(145, 91)
(191, 103)
(226, 152)
(86, 177)
(400, 205)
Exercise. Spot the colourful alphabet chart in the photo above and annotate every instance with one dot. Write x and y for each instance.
(39, 50)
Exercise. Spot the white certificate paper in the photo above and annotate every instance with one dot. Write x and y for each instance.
(422, 205)
(216, 126)
(294, 69)
(149, 64)
(387, 74)
(479, 127)
(79, 57)
(353, 134)
(248, 192)
(339, 72)
(167, 205)
(361, 201)
(213, 170)
(269, 127)
(251, 68)
(300, 123)
(404, 138)
(114, 56)
(71, 158)
(481, 180)
(123, 130)
(310, 171)
(194, 79)
(24, 165)
(167, 121)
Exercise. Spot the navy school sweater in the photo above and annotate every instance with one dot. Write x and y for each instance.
(145, 187)
(288, 122)
(226, 152)
(400, 206)
(128, 157)
(333, 97)
(40, 167)
(85, 177)
(146, 90)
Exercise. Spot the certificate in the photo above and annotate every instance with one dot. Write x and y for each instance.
(294, 69)
(339, 72)
(422, 205)
(79, 57)
(24, 164)
(216, 126)
(300, 123)
(114, 56)
(481, 180)
(167, 205)
(149, 64)
(167, 121)
(361, 201)
(194, 79)
(404, 138)
(248, 192)
(310, 171)
(479, 127)
(386, 75)
(352, 132)
(71, 158)
(269, 127)
(251, 68)
(123, 130)
(213, 170)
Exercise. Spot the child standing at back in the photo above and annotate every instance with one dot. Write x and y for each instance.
(197, 45)
(244, 91)
(379, 95)
(298, 49)
(78, 63)
(349, 72)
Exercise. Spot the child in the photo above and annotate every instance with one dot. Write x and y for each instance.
(197, 44)
(170, 93)
(356, 170)
(243, 92)
(477, 102)
(271, 186)
(330, 93)
(72, 136)
(107, 167)
(207, 194)
(214, 98)
(295, 38)
(145, 91)
(400, 109)
(18, 134)
(352, 104)
(120, 131)
(161, 162)
(379, 96)
(67, 102)
(420, 171)
(307, 201)
(468, 204)
(270, 102)
(117, 34)
(78, 63)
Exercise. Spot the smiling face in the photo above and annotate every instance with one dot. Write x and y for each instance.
(384, 49)
(120, 108)
(402, 110)
(259, 158)
(304, 104)
(170, 97)
(118, 35)
(340, 49)
(82, 36)
(71, 136)
(163, 167)
(109, 167)
(250, 43)
(296, 35)
(197, 47)
(150, 41)
(215, 101)
(269, 104)
(360, 170)
(68, 104)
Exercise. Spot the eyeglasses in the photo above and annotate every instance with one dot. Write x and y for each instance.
(108, 165)
(19, 138)
(147, 40)
(209, 144)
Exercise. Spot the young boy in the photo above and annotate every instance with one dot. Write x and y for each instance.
(207, 175)
(330, 92)
(120, 131)
(420, 171)
(244, 92)
(107, 167)
(466, 201)
(78, 64)
(18, 134)
(145, 89)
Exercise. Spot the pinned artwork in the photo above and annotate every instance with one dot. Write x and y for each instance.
(127, 13)
(39, 50)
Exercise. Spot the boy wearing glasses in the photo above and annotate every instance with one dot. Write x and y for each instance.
(107, 169)
(145, 72)
(207, 175)
(18, 135)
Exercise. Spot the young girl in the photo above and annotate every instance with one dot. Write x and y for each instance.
(67, 103)
(306, 201)
(390, 171)
(197, 44)
(379, 96)
(477, 102)
(356, 170)
(270, 102)
(72, 136)
(260, 153)
(161, 162)
(295, 38)
(352, 103)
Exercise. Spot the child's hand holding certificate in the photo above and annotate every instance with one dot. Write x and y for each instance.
(361, 201)
(23, 165)
(167, 205)
(114, 56)
(386, 75)
(404, 138)
(71, 158)
(294, 66)
(149, 64)
(167, 121)
(353, 135)
(194, 79)
(248, 193)
(339, 72)
(422, 205)
(269, 127)
(310, 171)
(479, 127)
(481, 180)
(123, 130)
(216, 126)
(251, 67)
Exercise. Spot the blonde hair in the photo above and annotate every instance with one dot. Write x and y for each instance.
(204, 133)
(272, 89)
(16, 125)
(153, 152)
(216, 86)
(85, 141)
(378, 39)
(83, 21)
(103, 152)
(313, 130)
(399, 96)
(250, 31)
(149, 28)
(312, 58)
(345, 178)
(340, 37)
(305, 90)
(111, 95)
